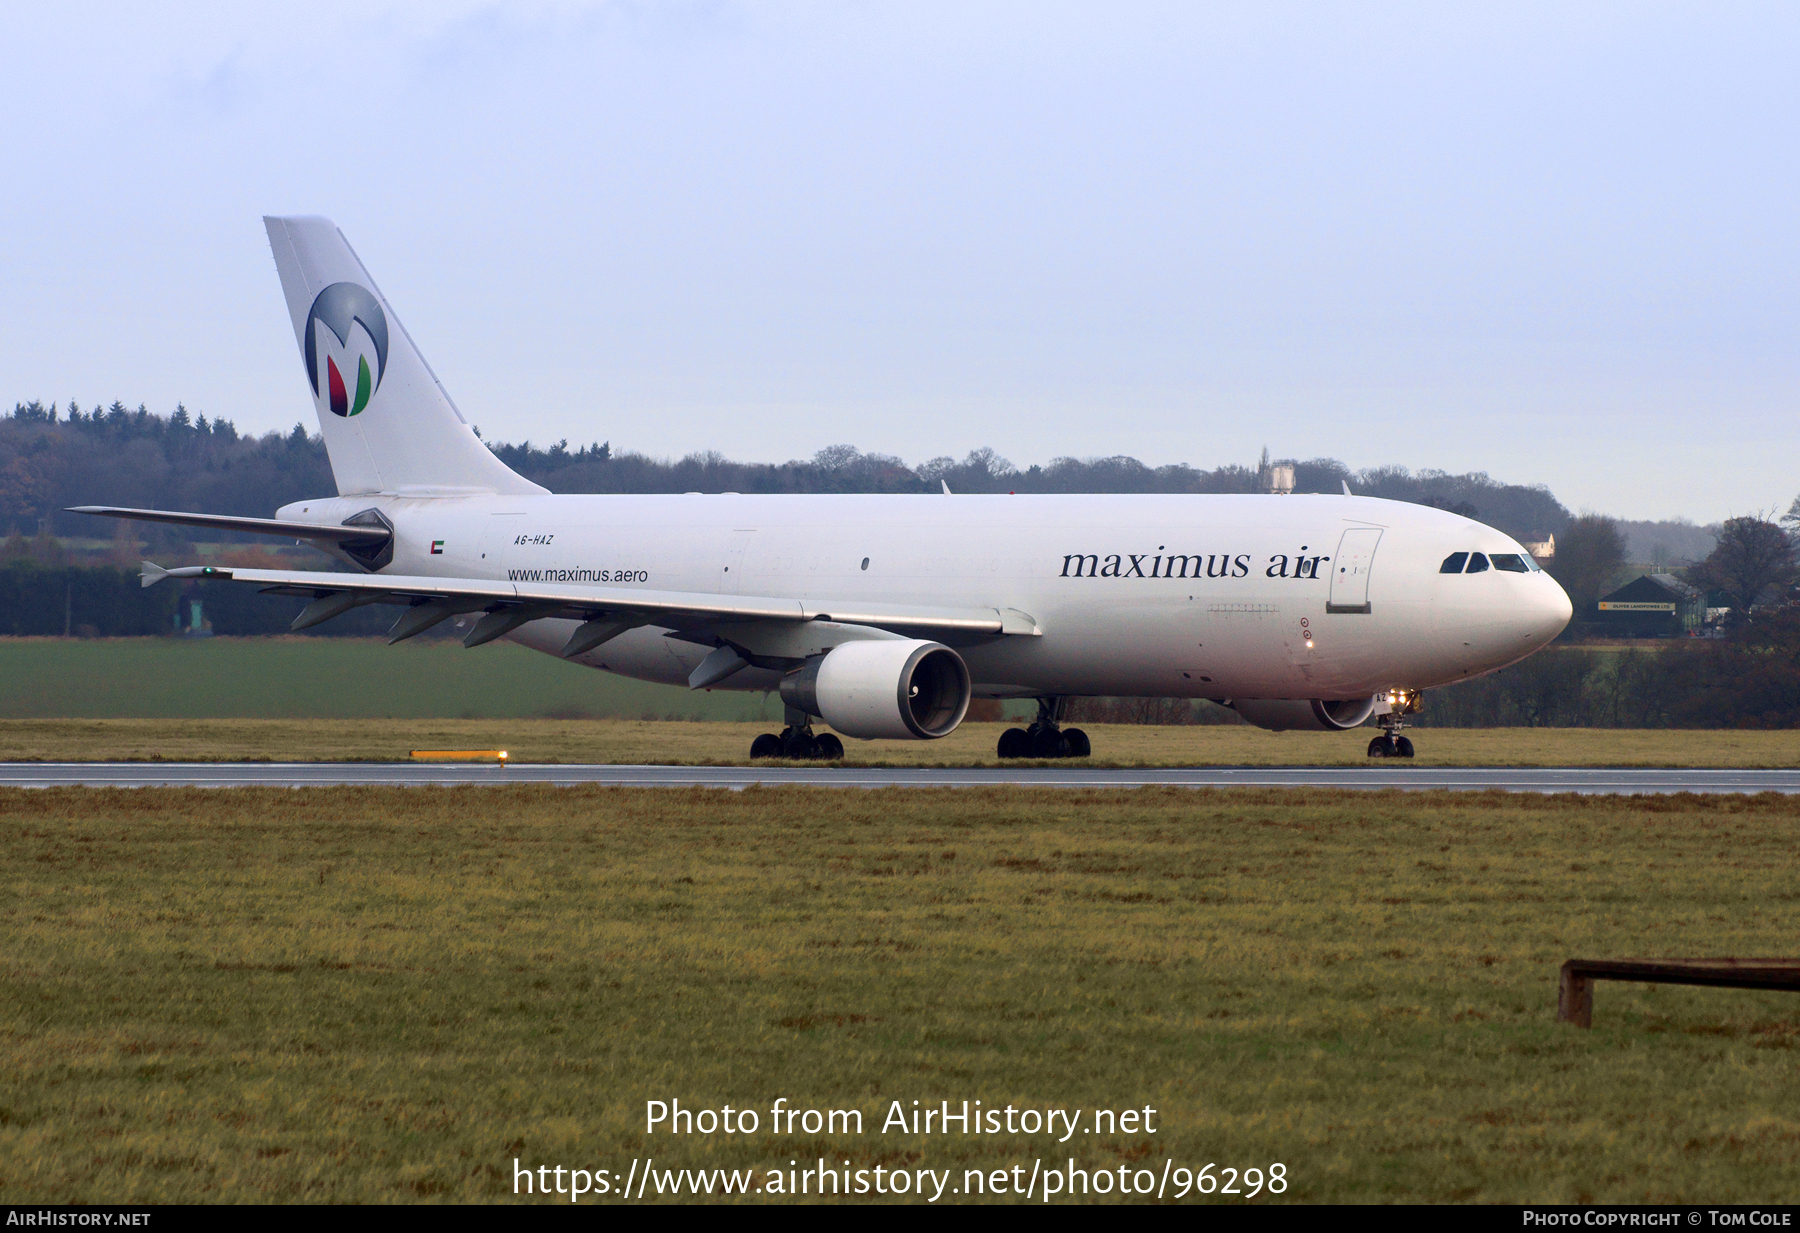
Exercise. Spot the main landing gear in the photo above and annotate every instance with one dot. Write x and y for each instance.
(1390, 744)
(797, 742)
(1045, 738)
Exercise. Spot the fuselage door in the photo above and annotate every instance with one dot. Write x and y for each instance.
(1350, 571)
(737, 548)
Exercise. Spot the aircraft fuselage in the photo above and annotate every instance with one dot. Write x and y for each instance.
(1252, 596)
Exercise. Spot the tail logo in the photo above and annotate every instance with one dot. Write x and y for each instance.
(340, 306)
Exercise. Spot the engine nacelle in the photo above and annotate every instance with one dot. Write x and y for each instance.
(901, 689)
(1304, 715)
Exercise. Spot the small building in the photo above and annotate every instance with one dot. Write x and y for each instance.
(1653, 606)
(1542, 550)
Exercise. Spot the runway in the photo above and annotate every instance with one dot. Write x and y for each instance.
(1384, 775)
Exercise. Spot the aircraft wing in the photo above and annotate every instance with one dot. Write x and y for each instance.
(511, 604)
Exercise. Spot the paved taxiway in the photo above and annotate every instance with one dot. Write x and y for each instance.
(339, 774)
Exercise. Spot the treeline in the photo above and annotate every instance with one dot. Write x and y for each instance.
(117, 456)
(1749, 679)
(38, 600)
(1529, 512)
(51, 458)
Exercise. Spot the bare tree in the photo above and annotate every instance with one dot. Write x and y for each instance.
(1753, 555)
(1589, 551)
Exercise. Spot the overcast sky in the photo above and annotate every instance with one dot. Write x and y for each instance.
(1553, 242)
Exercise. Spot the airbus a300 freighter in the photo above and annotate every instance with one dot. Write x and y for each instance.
(881, 615)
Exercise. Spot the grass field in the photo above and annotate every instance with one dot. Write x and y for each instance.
(328, 678)
(636, 742)
(388, 994)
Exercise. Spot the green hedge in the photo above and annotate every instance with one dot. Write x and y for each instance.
(39, 600)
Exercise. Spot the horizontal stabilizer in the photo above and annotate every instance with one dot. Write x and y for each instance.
(251, 526)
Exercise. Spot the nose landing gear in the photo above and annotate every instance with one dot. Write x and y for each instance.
(1045, 738)
(1390, 744)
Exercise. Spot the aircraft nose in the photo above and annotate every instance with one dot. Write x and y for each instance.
(1554, 610)
(1536, 610)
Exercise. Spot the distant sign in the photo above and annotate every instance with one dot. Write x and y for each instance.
(1627, 606)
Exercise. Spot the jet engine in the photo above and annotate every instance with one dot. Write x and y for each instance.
(1304, 715)
(900, 688)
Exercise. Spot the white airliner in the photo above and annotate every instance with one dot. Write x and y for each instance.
(881, 615)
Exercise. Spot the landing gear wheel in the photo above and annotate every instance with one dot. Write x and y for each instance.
(799, 745)
(768, 745)
(1390, 744)
(830, 748)
(1046, 738)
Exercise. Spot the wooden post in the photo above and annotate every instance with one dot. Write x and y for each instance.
(1575, 997)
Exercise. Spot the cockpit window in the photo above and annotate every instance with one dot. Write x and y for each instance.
(1453, 564)
(1511, 562)
(1477, 563)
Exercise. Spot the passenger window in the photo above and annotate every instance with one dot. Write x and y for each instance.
(1477, 563)
(1453, 564)
(1511, 562)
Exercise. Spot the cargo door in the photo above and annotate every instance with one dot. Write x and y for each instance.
(504, 526)
(1350, 571)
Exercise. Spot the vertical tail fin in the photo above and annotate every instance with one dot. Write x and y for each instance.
(388, 424)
